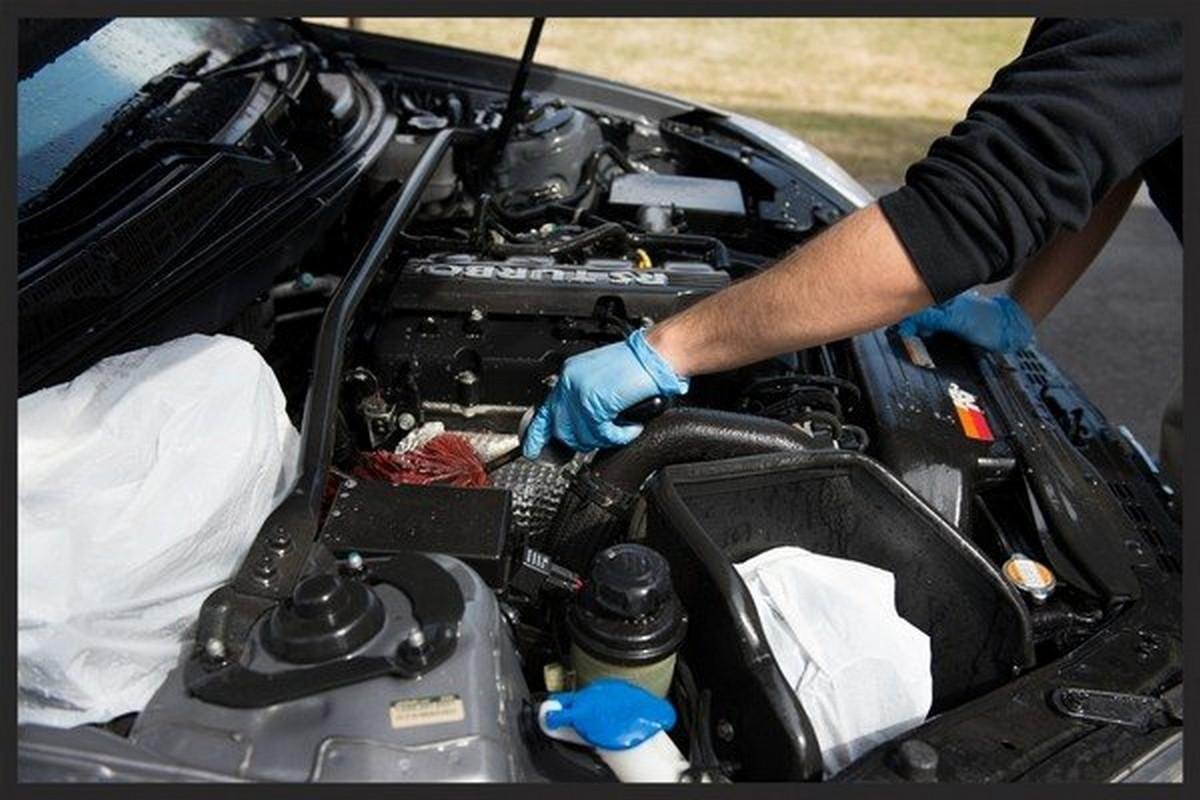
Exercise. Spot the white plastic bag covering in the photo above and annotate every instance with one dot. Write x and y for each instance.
(861, 671)
(140, 486)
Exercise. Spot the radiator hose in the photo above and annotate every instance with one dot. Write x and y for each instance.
(595, 510)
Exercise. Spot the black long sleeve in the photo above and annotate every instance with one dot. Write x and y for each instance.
(1085, 104)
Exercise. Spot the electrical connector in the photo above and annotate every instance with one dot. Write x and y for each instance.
(535, 573)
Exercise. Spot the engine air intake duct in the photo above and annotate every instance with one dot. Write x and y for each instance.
(595, 511)
(706, 517)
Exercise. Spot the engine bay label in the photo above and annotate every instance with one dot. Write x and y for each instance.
(413, 712)
(918, 353)
(970, 415)
(493, 272)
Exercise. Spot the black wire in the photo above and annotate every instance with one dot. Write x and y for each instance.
(808, 378)
(569, 246)
(800, 402)
(587, 179)
(832, 420)
(695, 712)
(860, 433)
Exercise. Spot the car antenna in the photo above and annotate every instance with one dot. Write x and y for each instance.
(518, 86)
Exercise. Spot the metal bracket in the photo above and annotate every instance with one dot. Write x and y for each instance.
(1139, 711)
(437, 603)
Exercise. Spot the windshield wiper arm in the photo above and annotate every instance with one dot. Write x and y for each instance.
(154, 93)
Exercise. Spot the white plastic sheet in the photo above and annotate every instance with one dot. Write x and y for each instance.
(860, 670)
(140, 486)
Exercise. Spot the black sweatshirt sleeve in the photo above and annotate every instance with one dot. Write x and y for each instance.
(1083, 106)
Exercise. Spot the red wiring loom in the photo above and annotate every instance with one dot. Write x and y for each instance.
(447, 459)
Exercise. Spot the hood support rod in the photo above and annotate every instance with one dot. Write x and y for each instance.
(518, 86)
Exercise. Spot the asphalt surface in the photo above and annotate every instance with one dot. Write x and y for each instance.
(1119, 332)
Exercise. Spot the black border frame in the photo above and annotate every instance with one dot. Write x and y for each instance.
(11, 10)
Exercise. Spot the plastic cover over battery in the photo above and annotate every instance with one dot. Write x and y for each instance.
(141, 484)
(860, 670)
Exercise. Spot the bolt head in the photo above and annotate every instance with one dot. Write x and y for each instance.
(917, 760)
(1072, 701)
(265, 568)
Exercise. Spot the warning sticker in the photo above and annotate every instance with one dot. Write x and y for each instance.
(970, 415)
(918, 353)
(412, 712)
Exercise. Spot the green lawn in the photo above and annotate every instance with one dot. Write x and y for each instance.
(870, 92)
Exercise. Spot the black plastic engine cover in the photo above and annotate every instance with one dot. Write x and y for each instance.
(540, 285)
(920, 435)
(508, 357)
(509, 324)
(948, 422)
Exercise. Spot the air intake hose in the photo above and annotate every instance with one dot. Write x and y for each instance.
(594, 512)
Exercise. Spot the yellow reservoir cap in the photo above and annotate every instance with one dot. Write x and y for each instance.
(1029, 575)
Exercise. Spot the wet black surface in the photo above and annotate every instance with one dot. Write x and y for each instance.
(1119, 332)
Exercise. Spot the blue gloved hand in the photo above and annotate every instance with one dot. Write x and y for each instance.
(593, 388)
(993, 323)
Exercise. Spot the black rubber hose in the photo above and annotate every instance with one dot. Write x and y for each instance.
(717, 253)
(595, 512)
(588, 238)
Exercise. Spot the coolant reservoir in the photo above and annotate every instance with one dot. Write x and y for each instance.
(627, 623)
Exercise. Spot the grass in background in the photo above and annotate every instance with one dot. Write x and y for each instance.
(872, 93)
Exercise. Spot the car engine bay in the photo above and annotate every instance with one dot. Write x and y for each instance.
(403, 614)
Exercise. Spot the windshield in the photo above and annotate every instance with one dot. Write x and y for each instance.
(64, 106)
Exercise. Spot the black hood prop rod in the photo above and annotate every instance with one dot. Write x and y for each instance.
(513, 107)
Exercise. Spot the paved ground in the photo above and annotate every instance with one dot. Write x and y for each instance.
(1119, 333)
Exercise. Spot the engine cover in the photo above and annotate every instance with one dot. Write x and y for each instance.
(468, 331)
(540, 285)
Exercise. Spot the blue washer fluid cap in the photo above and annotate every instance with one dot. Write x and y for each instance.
(612, 714)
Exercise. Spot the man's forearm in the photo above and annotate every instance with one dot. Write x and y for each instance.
(852, 278)
(1047, 277)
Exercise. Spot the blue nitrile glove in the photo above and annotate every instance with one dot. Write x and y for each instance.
(612, 714)
(993, 323)
(593, 388)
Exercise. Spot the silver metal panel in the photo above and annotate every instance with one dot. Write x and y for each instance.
(351, 733)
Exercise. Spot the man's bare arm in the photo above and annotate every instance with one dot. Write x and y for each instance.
(854, 277)
(1049, 275)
